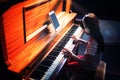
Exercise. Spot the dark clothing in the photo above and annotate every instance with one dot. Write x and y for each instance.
(78, 71)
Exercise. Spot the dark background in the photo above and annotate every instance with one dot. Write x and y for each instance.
(105, 9)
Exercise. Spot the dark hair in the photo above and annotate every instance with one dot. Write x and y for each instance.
(91, 22)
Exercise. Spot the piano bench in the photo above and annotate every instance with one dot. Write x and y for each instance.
(100, 71)
(99, 74)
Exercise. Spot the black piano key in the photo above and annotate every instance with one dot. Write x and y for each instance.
(56, 50)
(37, 74)
(60, 47)
(43, 68)
(66, 40)
(62, 43)
(51, 57)
(47, 62)
(54, 53)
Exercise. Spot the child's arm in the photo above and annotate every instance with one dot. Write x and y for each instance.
(71, 55)
(76, 40)
(83, 41)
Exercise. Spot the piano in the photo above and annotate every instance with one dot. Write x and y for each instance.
(31, 46)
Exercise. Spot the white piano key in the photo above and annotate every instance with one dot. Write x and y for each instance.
(52, 67)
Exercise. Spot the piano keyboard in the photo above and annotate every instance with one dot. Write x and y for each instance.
(49, 65)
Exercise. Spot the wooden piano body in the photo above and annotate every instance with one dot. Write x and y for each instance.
(23, 44)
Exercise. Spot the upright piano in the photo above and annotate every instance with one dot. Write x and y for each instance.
(30, 44)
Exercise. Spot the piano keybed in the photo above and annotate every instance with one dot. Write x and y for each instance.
(50, 63)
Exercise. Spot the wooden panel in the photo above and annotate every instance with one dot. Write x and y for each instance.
(56, 5)
(13, 33)
(68, 5)
(33, 18)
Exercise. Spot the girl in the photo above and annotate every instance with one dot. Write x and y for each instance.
(87, 64)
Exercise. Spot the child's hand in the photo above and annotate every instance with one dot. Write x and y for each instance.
(67, 52)
(75, 40)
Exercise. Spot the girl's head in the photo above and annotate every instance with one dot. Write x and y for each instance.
(90, 23)
(91, 27)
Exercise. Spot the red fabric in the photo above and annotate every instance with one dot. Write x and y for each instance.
(74, 65)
